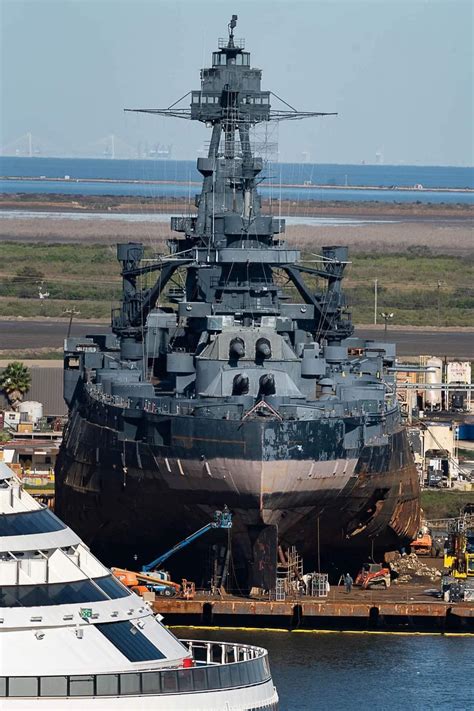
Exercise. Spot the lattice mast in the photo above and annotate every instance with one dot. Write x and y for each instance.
(230, 101)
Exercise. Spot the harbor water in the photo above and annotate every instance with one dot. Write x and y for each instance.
(342, 671)
(180, 179)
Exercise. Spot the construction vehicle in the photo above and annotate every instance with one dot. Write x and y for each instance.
(158, 581)
(459, 550)
(423, 543)
(160, 584)
(373, 575)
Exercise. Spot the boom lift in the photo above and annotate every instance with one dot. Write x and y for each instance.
(158, 581)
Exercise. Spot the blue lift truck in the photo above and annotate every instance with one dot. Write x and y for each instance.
(150, 579)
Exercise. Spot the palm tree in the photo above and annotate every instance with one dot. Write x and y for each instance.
(15, 381)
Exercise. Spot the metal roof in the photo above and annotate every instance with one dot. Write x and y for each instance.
(46, 387)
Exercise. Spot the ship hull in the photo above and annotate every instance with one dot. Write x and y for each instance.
(134, 496)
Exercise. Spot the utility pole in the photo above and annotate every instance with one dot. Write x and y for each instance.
(376, 281)
(439, 285)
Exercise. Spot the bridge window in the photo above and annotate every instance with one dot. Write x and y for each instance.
(243, 59)
(218, 59)
(30, 522)
(130, 641)
(196, 97)
(79, 591)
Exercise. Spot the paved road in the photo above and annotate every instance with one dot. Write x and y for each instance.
(50, 334)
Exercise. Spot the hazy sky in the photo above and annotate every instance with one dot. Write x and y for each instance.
(398, 72)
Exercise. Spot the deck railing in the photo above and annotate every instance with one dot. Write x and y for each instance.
(219, 666)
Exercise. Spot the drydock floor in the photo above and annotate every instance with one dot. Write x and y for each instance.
(400, 608)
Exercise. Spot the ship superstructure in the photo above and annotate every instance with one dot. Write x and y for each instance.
(72, 636)
(234, 377)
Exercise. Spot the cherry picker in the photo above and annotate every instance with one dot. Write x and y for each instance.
(151, 579)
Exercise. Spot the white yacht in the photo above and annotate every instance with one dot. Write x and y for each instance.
(73, 637)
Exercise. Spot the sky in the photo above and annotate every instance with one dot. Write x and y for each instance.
(397, 72)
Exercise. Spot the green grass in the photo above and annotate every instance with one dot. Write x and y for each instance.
(53, 308)
(444, 504)
(32, 354)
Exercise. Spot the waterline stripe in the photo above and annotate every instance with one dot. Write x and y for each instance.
(301, 631)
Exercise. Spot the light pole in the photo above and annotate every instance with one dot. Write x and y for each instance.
(438, 293)
(386, 317)
(71, 313)
(376, 283)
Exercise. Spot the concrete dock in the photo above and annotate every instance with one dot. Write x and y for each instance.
(407, 608)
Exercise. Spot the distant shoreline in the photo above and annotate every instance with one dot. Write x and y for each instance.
(308, 185)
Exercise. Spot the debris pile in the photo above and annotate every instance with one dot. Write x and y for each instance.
(410, 566)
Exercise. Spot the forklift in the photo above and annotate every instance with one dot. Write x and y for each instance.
(150, 579)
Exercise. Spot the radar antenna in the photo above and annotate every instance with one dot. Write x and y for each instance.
(232, 24)
(231, 88)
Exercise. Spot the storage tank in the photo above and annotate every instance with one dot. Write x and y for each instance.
(434, 377)
(31, 411)
(466, 431)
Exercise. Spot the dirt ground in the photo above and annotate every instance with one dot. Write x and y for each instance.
(453, 237)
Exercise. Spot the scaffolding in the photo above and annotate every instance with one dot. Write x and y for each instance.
(293, 582)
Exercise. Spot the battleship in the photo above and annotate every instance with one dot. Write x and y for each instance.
(232, 376)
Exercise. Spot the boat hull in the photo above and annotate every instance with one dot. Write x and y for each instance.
(133, 496)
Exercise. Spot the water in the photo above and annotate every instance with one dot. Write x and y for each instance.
(165, 218)
(341, 671)
(177, 175)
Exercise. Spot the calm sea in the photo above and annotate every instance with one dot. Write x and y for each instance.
(344, 672)
(176, 177)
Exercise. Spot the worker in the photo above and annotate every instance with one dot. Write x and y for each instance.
(348, 582)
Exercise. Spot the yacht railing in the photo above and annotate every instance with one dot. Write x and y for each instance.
(218, 666)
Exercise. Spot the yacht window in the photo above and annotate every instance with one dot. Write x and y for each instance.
(53, 685)
(151, 683)
(130, 641)
(61, 593)
(169, 681)
(213, 680)
(107, 684)
(23, 686)
(28, 522)
(130, 683)
(81, 685)
(185, 680)
(111, 586)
